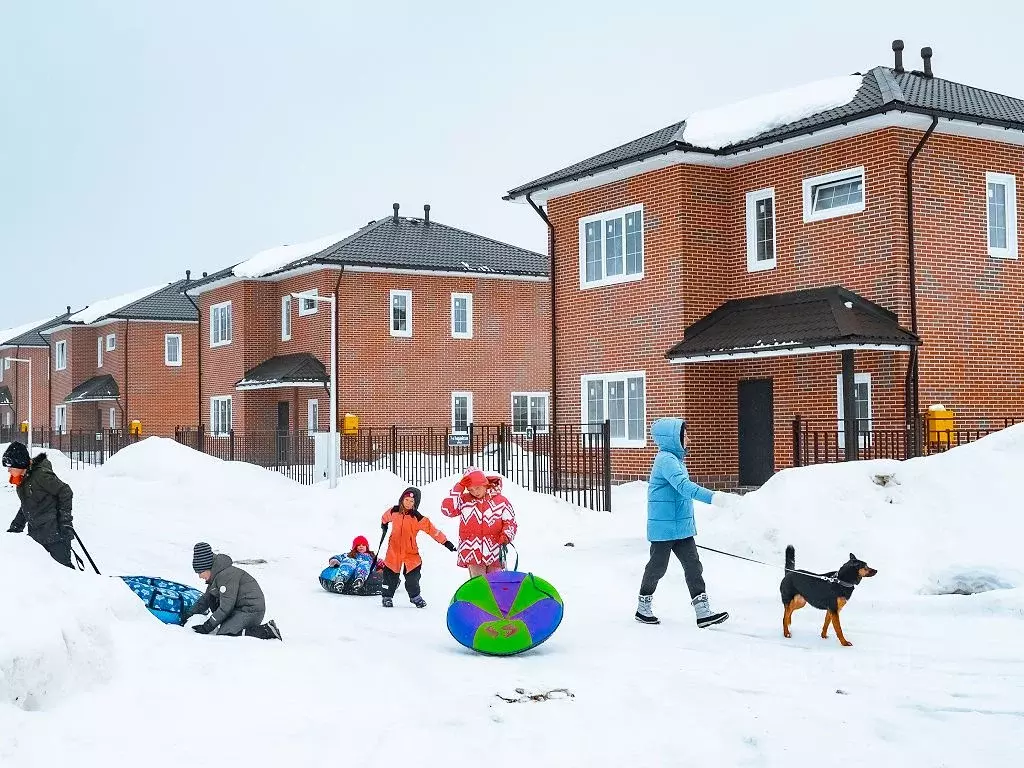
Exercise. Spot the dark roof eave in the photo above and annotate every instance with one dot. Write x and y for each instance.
(909, 341)
(431, 268)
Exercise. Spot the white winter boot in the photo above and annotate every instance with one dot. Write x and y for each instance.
(644, 613)
(705, 616)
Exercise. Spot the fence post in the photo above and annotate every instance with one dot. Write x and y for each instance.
(533, 460)
(502, 452)
(471, 462)
(231, 445)
(798, 453)
(606, 458)
(394, 449)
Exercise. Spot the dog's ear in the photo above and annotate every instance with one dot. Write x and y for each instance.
(853, 556)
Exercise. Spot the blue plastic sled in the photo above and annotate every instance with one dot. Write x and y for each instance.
(167, 600)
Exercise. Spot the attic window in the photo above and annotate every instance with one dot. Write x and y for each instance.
(834, 194)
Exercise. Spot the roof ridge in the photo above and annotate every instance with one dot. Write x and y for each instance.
(963, 85)
(887, 85)
(478, 235)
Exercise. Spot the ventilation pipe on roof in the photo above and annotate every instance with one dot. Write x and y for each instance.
(897, 48)
(926, 54)
(426, 213)
(395, 215)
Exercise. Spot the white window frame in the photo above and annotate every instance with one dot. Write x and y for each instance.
(863, 436)
(469, 411)
(753, 198)
(312, 415)
(529, 412)
(408, 312)
(810, 184)
(111, 342)
(616, 442)
(213, 415)
(214, 326)
(309, 306)
(99, 351)
(60, 418)
(468, 333)
(286, 318)
(113, 418)
(1009, 182)
(167, 358)
(60, 355)
(618, 213)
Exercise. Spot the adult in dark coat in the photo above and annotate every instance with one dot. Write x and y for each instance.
(45, 502)
(233, 595)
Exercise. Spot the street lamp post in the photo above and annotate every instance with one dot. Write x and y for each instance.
(29, 361)
(332, 470)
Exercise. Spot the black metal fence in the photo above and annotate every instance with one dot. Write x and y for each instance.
(82, 447)
(293, 454)
(823, 441)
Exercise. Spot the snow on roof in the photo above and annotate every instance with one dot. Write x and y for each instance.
(12, 333)
(721, 126)
(95, 311)
(276, 258)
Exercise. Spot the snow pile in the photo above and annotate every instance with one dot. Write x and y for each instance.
(99, 309)
(273, 259)
(7, 334)
(722, 126)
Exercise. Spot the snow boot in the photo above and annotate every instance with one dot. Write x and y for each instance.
(339, 586)
(418, 601)
(644, 613)
(272, 626)
(705, 616)
(357, 585)
(386, 602)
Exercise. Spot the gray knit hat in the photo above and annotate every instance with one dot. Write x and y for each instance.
(202, 557)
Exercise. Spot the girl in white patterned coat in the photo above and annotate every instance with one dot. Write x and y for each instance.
(487, 521)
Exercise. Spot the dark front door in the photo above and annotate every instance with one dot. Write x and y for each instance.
(756, 431)
(283, 424)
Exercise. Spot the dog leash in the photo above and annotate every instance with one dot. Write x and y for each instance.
(832, 579)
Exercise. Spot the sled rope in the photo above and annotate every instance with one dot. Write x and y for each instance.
(832, 579)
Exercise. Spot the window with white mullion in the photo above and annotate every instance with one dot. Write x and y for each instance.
(220, 324)
(760, 230)
(1001, 215)
(611, 247)
(840, 193)
(620, 399)
(462, 411)
(220, 415)
(529, 411)
(862, 412)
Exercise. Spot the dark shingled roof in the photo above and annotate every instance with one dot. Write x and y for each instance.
(35, 338)
(284, 370)
(5, 395)
(809, 318)
(882, 90)
(102, 387)
(168, 304)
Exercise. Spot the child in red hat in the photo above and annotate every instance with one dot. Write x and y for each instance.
(355, 567)
(487, 521)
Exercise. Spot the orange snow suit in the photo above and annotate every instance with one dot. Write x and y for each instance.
(405, 526)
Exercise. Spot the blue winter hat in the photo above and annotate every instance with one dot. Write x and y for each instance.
(202, 557)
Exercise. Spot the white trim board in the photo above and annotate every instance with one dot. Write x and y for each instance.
(284, 385)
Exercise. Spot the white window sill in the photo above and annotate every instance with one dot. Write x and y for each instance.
(215, 344)
(286, 338)
(462, 335)
(402, 334)
(760, 266)
(1002, 253)
(307, 312)
(621, 442)
(606, 281)
(61, 369)
(221, 435)
(834, 213)
(535, 432)
(172, 365)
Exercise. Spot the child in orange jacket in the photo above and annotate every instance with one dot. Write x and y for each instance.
(402, 551)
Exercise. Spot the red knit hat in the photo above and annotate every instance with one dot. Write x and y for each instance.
(476, 477)
(359, 540)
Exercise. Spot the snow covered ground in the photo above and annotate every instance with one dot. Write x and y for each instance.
(89, 678)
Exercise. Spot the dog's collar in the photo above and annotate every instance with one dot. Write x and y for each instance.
(840, 582)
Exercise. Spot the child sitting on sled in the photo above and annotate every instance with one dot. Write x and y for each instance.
(354, 568)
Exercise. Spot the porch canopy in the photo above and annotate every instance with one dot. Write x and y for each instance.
(299, 370)
(5, 396)
(95, 390)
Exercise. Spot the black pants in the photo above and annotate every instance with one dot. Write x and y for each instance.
(412, 582)
(686, 551)
(60, 551)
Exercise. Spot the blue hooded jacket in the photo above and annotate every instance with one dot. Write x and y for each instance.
(671, 493)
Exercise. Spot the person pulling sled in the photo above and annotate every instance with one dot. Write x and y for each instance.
(403, 554)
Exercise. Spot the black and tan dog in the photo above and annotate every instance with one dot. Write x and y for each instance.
(827, 592)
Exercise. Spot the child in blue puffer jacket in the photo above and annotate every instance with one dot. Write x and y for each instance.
(355, 567)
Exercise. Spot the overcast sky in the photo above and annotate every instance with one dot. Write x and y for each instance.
(141, 138)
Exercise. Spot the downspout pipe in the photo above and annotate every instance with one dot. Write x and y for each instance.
(337, 311)
(913, 405)
(124, 407)
(199, 350)
(553, 418)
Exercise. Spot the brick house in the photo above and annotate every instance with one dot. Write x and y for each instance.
(25, 343)
(123, 359)
(857, 255)
(435, 327)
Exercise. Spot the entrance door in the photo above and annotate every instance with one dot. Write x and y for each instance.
(283, 423)
(756, 431)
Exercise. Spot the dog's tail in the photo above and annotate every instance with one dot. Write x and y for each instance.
(790, 557)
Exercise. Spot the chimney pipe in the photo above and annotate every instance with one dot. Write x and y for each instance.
(188, 275)
(204, 274)
(897, 48)
(926, 54)
(395, 207)
(426, 213)
(69, 309)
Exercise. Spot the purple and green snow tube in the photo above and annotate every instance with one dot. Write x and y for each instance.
(504, 613)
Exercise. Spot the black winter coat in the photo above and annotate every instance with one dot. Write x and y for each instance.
(45, 504)
(231, 589)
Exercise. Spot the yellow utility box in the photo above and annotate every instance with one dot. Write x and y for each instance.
(350, 424)
(941, 425)
(24, 426)
(135, 427)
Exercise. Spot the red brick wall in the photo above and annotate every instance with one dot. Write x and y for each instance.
(16, 379)
(161, 396)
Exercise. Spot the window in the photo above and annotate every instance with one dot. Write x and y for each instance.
(529, 409)
(612, 247)
(60, 355)
(99, 351)
(60, 418)
(862, 393)
(834, 194)
(8, 418)
(462, 411)
(172, 349)
(760, 230)
(220, 324)
(307, 306)
(401, 313)
(220, 415)
(1002, 215)
(462, 315)
(619, 398)
(313, 415)
(113, 418)
(111, 342)
(286, 318)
